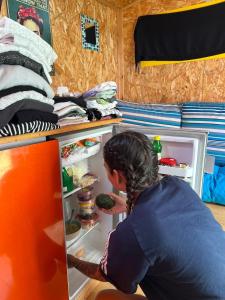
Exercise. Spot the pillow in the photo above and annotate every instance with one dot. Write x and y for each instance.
(209, 184)
(152, 115)
(219, 191)
(209, 117)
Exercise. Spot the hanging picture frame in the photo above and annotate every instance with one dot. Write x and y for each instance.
(89, 33)
(32, 14)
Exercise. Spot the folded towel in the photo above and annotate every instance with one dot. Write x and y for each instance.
(10, 99)
(11, 76)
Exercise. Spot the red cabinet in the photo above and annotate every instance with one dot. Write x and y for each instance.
(32, 249)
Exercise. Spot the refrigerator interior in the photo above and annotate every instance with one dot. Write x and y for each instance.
(89, 244)
(185, 146)
(184, 150)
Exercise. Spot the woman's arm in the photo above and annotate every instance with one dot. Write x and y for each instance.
(89, 269)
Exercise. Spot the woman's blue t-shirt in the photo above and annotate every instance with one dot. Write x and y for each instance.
(170, 244)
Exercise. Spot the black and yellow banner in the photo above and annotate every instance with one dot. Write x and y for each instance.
(191, 33)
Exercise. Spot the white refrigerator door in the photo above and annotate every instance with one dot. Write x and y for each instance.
(185, 145)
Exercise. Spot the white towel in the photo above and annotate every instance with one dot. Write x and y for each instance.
(68, 109)
(12, 98)
(36, 42)
(27, 43)
(7, 39)
(11, 76)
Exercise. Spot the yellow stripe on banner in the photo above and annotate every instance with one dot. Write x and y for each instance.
(152, 63)
(195, 6)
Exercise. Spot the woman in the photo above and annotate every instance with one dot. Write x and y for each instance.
(169, 244)
(28, 17)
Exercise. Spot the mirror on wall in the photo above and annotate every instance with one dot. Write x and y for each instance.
(90, 33)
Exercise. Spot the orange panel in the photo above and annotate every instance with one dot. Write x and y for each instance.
(32, 247)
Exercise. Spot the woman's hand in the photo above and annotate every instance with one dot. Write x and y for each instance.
(71, 261)
(120, 206)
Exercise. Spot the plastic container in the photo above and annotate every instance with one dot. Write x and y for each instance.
(85, 194)
(86, 207)
(90, 222)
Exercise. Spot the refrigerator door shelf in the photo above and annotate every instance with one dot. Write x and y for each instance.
(80, 155)
(176, 171)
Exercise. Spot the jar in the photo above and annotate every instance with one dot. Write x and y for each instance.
(86, 207)
(85, 194)
(89, 222)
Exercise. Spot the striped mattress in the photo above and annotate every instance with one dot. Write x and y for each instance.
(207, 117)
(152, 115)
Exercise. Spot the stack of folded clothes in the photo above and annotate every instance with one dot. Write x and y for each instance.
(69, 113)
(98, 103)
(26, 97)
(101, 102)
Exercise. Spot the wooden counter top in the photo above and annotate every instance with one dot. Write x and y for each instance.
(62, 130)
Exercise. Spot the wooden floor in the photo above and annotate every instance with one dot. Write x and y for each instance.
(93, 287)
(219, 213)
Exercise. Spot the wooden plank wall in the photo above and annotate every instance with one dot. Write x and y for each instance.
(78, 68)
(194, 81)
(81, 69)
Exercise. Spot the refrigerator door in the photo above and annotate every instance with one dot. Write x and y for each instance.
(32, 247)
(185, 145)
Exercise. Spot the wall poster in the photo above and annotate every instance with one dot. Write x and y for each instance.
(34, 14)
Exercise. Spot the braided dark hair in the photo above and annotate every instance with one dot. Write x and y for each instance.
(131, 153)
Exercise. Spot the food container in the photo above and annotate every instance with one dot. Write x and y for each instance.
(88, 180)
(85, 194)
(72, 229)
(86, 207)
(89, 222)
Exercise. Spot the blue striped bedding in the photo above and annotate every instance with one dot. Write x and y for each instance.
(152, 115)
(207, 117)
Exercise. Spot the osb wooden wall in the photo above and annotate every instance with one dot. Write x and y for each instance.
(78, 68)
(117, 3)
(194, 81)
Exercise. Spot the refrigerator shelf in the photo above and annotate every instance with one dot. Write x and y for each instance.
(72, 192)
(80, 155)
(76, 279)
(66, 195)
(82, 234)
(176, 171)
(93, 252)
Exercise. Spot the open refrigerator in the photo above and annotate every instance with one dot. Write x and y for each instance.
(79, 159)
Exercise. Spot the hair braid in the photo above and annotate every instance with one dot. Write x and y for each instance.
(131, 189)
(131, 152)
